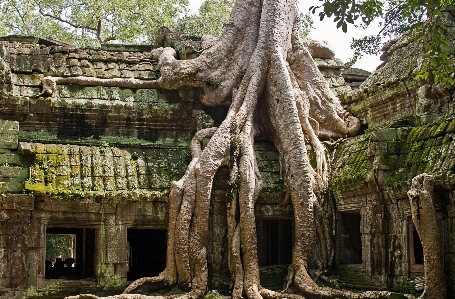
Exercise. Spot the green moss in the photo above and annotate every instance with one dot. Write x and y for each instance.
(447, 139)
(36, 136)
(451, 127)
(350, 166)
(441, 129)
(30, 292)
(162, 211)
(394, 147)
(37, 188)
(416, 134)
(213, 295)
(114, 283)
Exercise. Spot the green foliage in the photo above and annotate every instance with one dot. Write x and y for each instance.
(30, 292)
(89, 22)
(349, 11)
(437, 64)
(58, 245)
(84, 23)
(212, 15)
(420, 20)
(306, 24)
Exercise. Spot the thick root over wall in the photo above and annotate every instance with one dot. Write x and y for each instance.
(257, 64)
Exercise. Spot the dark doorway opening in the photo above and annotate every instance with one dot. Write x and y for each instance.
(72, 251)
(415, 252)
(349, 238)
(418, 248)
(274, 239)
(146, 252)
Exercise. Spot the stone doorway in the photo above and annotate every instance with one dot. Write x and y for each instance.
(274, 241)
(415, 250)
(349, 238)
(146, 252)
(76, 258)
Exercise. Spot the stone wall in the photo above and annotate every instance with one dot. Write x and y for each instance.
(409, 130)
(392, 93)
(372, 174)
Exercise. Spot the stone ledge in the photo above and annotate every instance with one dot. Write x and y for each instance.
(17, 202)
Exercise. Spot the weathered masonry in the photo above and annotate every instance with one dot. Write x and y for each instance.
(96, 163)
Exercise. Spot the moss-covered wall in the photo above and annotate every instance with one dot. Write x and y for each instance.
(392, 92)
(408, 130)
(373, 172)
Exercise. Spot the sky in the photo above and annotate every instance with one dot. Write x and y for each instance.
(326, 30)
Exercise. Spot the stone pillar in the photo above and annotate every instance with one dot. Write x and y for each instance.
(365, 213)
(120, 267)
(37, 253)
(217, 245)
(373, 239)
(450, 246)
(112, 257)
(16, 240)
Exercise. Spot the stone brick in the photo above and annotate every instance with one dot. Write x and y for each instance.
(17, 202)
(40, 105)
(9, 134)
(377, 148)
(22, 64)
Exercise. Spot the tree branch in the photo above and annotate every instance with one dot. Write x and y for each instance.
(75, 25)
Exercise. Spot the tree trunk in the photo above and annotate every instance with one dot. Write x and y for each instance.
(430, 234)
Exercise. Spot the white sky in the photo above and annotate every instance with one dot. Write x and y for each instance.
(326, 30)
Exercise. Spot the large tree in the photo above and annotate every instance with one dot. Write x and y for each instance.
(262, 70)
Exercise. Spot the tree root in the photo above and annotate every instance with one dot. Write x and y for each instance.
(426, 222)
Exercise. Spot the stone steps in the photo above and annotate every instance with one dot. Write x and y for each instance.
(272, 277)
(353, 277)
(61, 288)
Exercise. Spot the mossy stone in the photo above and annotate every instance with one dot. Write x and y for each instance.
(213, 295)
(451, 126)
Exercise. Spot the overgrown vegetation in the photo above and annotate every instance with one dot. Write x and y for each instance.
(424, 21)
(93, 23)
(90, 22)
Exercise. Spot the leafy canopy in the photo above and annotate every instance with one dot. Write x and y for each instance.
(89, 22)
(423, 20)
(94, 22)
(58, 245)
(212, 15)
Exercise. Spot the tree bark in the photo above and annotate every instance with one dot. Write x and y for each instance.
(430, 232)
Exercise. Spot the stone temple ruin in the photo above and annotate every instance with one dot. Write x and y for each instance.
(95, 163)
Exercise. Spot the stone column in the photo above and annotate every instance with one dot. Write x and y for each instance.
(373, 239)
(37, 254)
(112, 246)
(120, 267)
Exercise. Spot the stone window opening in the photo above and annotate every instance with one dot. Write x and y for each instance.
(70, 253)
